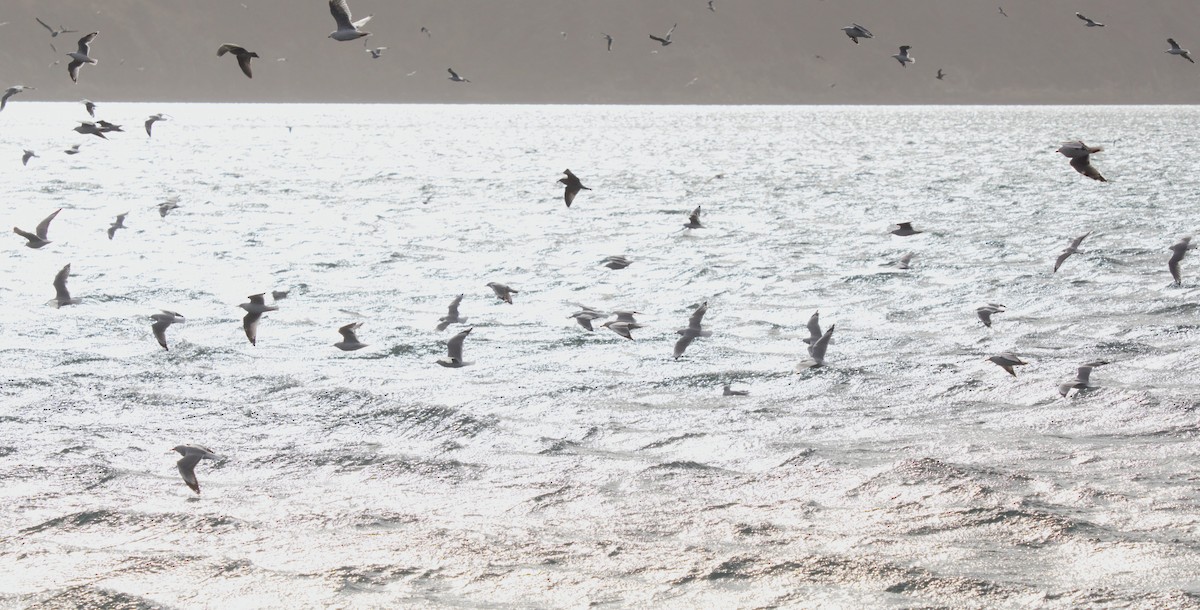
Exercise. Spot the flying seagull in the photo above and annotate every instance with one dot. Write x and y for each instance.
(88, 127)
(454, 351)
(1082, 379)
(985, 313)
(1178, 251)
(693, 330)
(29, 154)
(192, 454)
(11, 91)
(855, 31)
(621, 327)
(1007, 361)
(941, 75)
(818, 347)
(377, 52)
(504, 293)
(154, 118)
(905, 261)
(727, 391)
(1069, 250)
(609, 39)
(119, 223)
(73, 150)
(573, 187)
(903, 57)
(1175, 50)
(426, 32)
(346, 29)
(90, 106)
(666, 40)
(80, 56)
(712, 5)
(61, 295)
(37, 239)
(161, 322)
(349, 340)
(55, 32)
(1089, 23)
(814, 328)
(1002, 11)
(455, 77)
(616, 262)
(694, 220)
(1080, 155)
(254, 310)
(452, 316)
(585, 316)
(165, 207)
(905, 229)
(243, 56)
(106, 127)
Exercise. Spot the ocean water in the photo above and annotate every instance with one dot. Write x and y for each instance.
(567, 468)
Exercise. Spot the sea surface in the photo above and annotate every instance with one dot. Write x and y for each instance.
(568, 468)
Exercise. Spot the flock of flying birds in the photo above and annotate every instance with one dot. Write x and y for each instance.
(623, 323)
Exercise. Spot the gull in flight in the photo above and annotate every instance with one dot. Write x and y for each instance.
(452, 316)
(504, 293)
(666, 40)
(1175, 50)
(349, 340)
(37, 239)
(585, 316)
(29, 154)
(73, 150)
(621, 327)
(254, 311)
(161, 322)
(609, 39)
(817, 351)
(426, 32)
(572, 188)
(712, 5)
(1178, 251)
(377, 52)
(11, 91)
(346, 29)
(54, 32)
(1007, 361)
(905, 261)
(88, 127)
(985, 313)
(80, 56)
(694, 220)
(941, 75)
(106, 127)
(855, 31)
(1069, 250)
(1082, 379)
(454, 351)
(61, 295)
(243, 56)
(1089, 23)
(903, 57)
(814, 328)
(693, 330)
(905, 229)
(119, 223)
(192, 454)
(90, 106)
(455, 77)
(616, 262)
(1080, 155)
(1002, 11)
(154, 118)
(731, 392)
(165, 207)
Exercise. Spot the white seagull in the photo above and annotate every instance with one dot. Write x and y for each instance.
(693, 330)
(985, 313)
(29, 154)
(254, 311)
(119, 223)
(161, 322)
(903, 57)
(1007, 361)
(1178, 251)
(37, 239)
(80, 56)
(346, 29)
(504, 293)
(1069, 250)
(192, 454)
(154, 118)
(855, 31)
(451, 316)
(454, 351)
(61, 295)
(1080, 155)
(1082, 379)
(1175, 50)
(817, 350)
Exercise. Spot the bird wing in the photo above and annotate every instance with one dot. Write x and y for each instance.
(91, 109)
(1080, 15)
(671, 31)
(697, 316)
(187, 469)
(244, 64)
(48, 28)
(1083, 374)
(453, 74)
(85, 43)
(682, 344)
(43, 227)
(1079, 240)
(817, 349)
(656, 38)
(341, 14)
(26, 234)
(1062, 257)
(73, 70)
(258, 299)
(454, 347)
(452, 311)
(1174, 45)
(60, 284)
(149, 122)
(160, 327)
(7, 94)
(814, 328)
(569, 194)
(694, 217)
(250, 325)
(1082, 164)
(347, 332)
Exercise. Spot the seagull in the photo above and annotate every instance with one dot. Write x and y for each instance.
(941, 75)
(1082, 379)
(80, 56)
(985, 313)
(61, 296)
(37, 239)
(280, 295)
(1002, 11)
(106, 127)
(504, 293)
(855, 31)
(622, 328)
(904, 261)
(29, 154)
(53, 32)
(1175, 50)
(1007, 361)
(573, 186)
(616, 262)
(243, 56)
(1080, 155)
(376, 52)
(161, 322)
(1090, 23)
(454, 349)
(192, 454)
(693, 330)
(712, 5)
(607, 38)
(88, 127)
(694, 220)
(425, 31)
(814, 328)
(165, 207)
(1178, 251)
(731, 392)
(455, 77)
(119, 223)
(90, 106)
(452, 316)
(818, 347)
(349, 340)
(254, 310)
(1069, 250)
(905, 229)
(154, 118)
(585, 316)
(73, 150)
(666, 40)
(903, 57)
(346, 29)
(11, 91)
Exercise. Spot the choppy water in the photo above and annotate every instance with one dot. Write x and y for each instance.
(568, 468)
